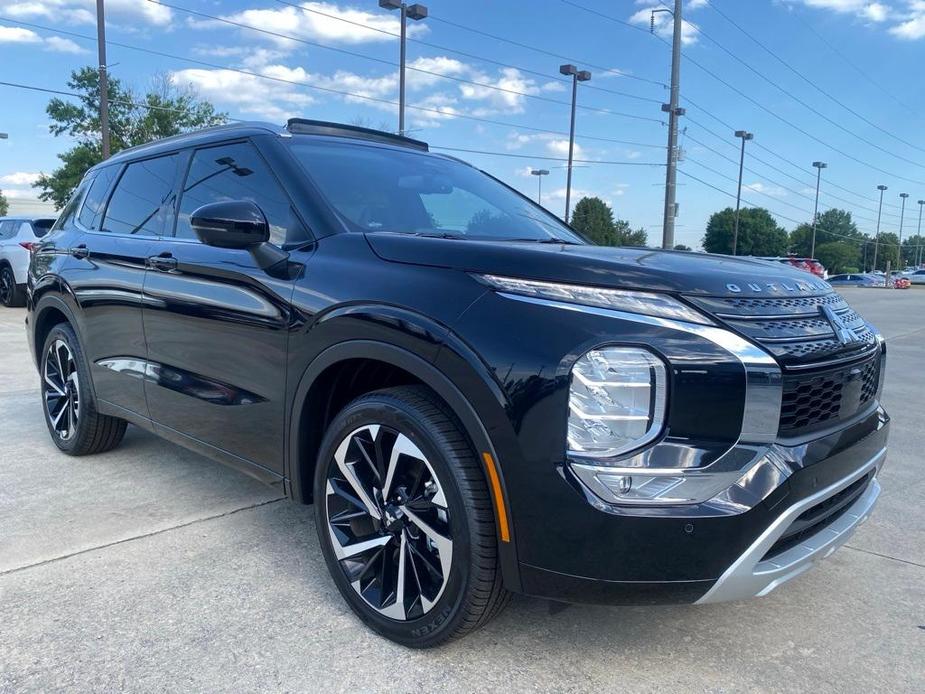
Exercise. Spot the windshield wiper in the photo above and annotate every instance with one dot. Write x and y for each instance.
(438, 235)
(551, 239)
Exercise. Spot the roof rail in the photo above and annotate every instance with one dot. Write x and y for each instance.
(304, 126)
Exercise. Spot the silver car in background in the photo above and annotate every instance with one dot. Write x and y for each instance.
(17, 236)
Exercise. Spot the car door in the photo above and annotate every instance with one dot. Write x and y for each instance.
(216, 324)
(120, 228)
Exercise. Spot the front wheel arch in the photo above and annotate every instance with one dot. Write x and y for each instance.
(301, 462)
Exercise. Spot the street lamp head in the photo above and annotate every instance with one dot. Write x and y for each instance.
(904, 195)
(539, 172)
(390, 4)
(3, 136)
(744, 134)
(921, 202)
(583, 76)
(568, 69)
(881, 187)
(820, 164)
(417, 11)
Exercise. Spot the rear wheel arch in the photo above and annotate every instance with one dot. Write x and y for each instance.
(49, 311)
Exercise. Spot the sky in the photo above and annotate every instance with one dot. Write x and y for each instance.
(837, 81)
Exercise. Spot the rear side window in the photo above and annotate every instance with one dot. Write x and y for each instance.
(92, 209)
(8, 229)
(40, 227)
(142, 202)
(69, 213)
(237, 172)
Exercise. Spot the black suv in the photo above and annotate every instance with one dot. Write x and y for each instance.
(475, 398)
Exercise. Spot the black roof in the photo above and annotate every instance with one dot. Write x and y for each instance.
(300, 126)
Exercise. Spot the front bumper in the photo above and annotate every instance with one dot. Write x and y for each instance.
(697, 555)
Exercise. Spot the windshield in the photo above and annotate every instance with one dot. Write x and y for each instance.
(376, 189)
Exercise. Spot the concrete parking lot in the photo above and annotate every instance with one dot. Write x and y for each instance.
(151, 568)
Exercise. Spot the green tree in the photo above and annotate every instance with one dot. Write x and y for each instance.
(759, 234)
(165, 109)
(682, 247)
(4, 205)
(838, 256)
(594, 218)
(626, 236)
(913, 249)
(888, 251)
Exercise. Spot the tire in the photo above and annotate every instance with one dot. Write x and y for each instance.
(75, 425)
(436, 520)
(11, 294)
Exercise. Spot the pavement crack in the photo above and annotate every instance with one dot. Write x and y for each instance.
(106, 545)
(886, 556)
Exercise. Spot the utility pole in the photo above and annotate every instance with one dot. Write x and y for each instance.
(820, 165)
(415, 12)
(577, 76)
(745, 136)
(881, 188)
(104, 79)
(902, 214)
(674, 111)
(918, 257)
(539, 173)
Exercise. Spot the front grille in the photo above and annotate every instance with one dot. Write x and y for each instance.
(816, 518)
(828, 374)
(813, 400)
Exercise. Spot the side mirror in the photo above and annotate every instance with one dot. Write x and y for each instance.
(231, 224)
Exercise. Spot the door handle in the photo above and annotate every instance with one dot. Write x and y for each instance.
(80, 251)
(165, 262)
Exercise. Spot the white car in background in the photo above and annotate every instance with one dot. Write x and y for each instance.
(917, 277)
(17, 236)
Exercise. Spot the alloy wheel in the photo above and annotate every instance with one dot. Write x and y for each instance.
(6, 287)
(389, 522)
(61, 389)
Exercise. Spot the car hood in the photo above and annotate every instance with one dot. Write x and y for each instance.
(619, 268)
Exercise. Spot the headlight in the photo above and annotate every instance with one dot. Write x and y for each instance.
(645, 303)
(617, 401)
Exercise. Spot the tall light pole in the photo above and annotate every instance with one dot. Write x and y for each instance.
(881, 188)
(674, 111)
(820, 165)
(415, 12)
(104, 79)
(539, 173)
(902, 214)
(745, 136)
(918, 257)
(577, 76)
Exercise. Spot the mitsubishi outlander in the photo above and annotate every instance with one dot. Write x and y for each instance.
(476, 399)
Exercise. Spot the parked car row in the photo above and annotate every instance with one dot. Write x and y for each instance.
(17, 237)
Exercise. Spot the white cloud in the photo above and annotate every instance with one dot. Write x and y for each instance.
(62, 45)
(129, 12)
(18, 35)
(250, 95)
(664, 24)
(52, 43)
(19, 178)
(912, 24)
(327, 22)
(559, 147)
(773, 191)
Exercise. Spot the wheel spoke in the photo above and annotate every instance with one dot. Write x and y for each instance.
(397, 609)
(353, 549)
(403, 446)
(58, 389)
(444, 544)
(349, 473)
(57, 418)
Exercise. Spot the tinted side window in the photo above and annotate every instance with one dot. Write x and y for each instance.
(40, 227)
(143, 199)
(236, 172)
(66, 218)
(7, 229)
(89, 216)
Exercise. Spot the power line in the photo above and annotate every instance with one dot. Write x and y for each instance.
(454, 78)
(305, 85)
(813, 84)
(774, 153)
(546, 157)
